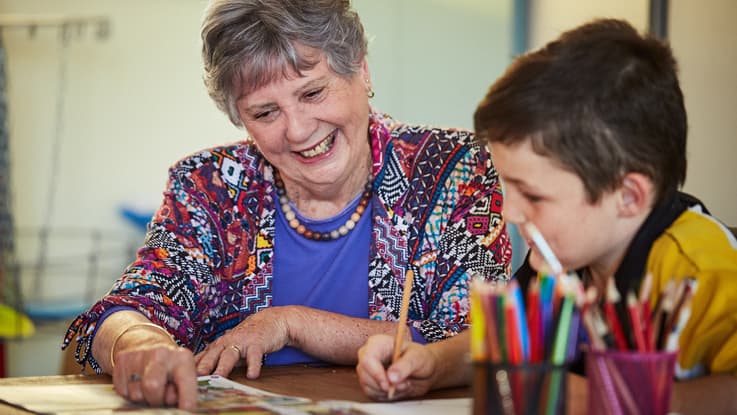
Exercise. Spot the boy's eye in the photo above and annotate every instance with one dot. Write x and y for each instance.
(532, 198)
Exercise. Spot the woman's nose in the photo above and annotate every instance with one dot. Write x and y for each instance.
(300, 126)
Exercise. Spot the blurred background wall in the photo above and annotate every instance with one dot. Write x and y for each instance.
(133, 103)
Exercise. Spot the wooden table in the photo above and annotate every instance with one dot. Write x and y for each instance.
(317, 383)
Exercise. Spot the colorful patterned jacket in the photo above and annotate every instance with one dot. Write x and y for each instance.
(206, 264)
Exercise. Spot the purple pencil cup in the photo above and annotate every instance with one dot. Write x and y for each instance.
(629, 382)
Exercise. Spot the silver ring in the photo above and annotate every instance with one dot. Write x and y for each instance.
(237, 349)
(134, 377)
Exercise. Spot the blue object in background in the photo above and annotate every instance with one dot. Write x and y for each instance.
(519, 246)
(139, 218)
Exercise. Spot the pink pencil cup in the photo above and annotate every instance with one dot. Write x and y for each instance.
(629, 382)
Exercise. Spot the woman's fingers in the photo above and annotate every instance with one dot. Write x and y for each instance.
(184, 377)
(157, 376)
(254, 361)
(227, 359)
(370, 369)
(261, 333)
(154, 381)
(206, 361)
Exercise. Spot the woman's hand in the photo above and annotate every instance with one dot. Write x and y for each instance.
(264, 332)
(159, 374)
(146, 365)
(412, 375)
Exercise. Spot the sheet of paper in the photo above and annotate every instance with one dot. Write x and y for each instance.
(423, 407)
(216, 395)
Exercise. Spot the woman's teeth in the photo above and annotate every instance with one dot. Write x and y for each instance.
(319, 149)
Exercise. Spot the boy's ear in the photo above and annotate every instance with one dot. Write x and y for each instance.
(635, 195)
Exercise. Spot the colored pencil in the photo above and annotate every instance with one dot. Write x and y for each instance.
(488, 300)
(610, 312)
(402, 326)
(542, 245)
(645, 291)
(522, 325)
(479, 349)
(636, 322)
(535, 321)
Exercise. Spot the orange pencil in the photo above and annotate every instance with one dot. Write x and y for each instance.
(399, 338)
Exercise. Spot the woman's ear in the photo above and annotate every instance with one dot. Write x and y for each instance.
(365, 73)
(636, 195)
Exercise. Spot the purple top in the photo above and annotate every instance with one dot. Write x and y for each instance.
(316, 273)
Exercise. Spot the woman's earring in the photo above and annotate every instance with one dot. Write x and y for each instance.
(370, 93)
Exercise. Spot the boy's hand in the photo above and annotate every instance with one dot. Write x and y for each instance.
(412, 375)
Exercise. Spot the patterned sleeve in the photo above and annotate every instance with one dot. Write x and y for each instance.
(171, 270)
(472, 241)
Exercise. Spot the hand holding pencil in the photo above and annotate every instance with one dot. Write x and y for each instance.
(394, 367)
(402, 327)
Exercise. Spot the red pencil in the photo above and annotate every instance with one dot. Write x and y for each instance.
(645, 289)
(613, 297)
(633, 309)
(488, 299)
(514, 345)
(535, 321)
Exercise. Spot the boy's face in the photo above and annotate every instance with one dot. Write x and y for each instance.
(539, 190)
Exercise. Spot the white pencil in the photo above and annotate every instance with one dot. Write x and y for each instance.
(544, 248)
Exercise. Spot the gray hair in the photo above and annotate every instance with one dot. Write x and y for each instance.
(247, 44)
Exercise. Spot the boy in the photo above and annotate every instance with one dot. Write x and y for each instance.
(589, 137)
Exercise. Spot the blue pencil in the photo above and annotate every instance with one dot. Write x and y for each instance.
(524, 331)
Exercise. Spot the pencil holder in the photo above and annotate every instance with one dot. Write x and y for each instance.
(625, 382)
(530, 388)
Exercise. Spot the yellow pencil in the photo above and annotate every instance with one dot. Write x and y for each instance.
(399, 337)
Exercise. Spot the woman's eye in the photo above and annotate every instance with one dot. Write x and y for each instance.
(263, 114)
(314, 93)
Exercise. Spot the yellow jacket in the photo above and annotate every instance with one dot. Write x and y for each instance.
(696, 245)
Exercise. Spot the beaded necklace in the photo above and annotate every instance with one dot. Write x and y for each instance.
(303, 230)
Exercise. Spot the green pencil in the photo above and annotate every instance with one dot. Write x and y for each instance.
(559, 352)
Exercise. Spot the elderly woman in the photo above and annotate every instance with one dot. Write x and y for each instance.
(292, 246)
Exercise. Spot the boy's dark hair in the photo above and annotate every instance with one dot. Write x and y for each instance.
(601, 100)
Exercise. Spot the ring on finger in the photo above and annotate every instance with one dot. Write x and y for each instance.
(236, 348)
(134, 377)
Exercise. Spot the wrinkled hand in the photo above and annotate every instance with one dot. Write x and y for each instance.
(158, 375)
(264, 332)
(411, 375)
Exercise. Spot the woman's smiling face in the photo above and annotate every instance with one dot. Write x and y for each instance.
(313, 128)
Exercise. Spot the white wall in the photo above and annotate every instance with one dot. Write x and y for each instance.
(702, 35)
(432, 60)
(135, 103)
